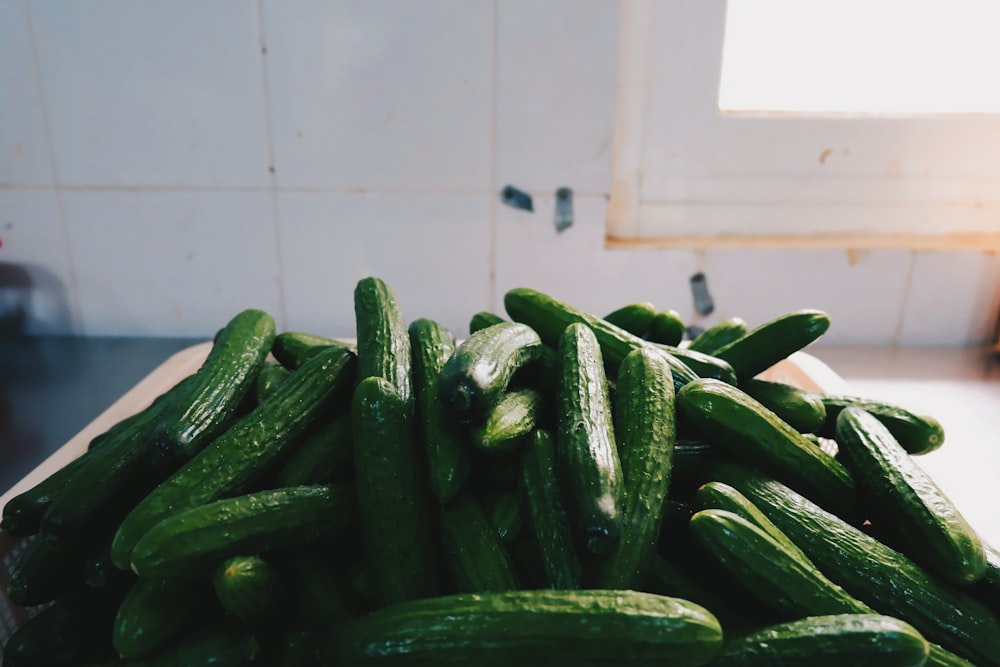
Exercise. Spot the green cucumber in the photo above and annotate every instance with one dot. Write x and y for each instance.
(716, 495)
(550, 317)
(392, 496)
(546, 509)
(863, 640)
(645, 436)
(874, 573)
(776, 576)
(472, 550)
(987, 589)
(587, 449)
(43, 573)
(635, 318)
(505, 510)
(442, 438)
(512, 418)
(320, 455)
(906, 502)
(22, 515)
(383, 341)
(196, 540)
(769, 343)
(483, 319)
(537, 627)
(802, 410)
(221, 646)
(153, 614)
(271, 376)
(719, 335)
(246, 451)
(248, 587)
(731, 420)
(480, 369)
(293, 348)
(918, 434)
(667, 328)
(703, 365)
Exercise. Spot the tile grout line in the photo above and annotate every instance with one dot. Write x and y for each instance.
(273, 189)
(492, 275)
(897, 333)
(77, 325)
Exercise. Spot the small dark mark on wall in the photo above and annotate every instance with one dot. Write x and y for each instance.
(564, 209)
(516, 198)
(703, 303)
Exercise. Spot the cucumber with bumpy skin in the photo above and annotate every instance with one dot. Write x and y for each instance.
(293, 348)
(248, 587)
(383, 341)
(476, 558)
(511, 419)
(918, 434)
(769, 343)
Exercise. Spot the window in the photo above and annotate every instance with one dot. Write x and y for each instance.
(706, 155)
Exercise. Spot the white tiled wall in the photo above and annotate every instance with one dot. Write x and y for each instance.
(162, 166)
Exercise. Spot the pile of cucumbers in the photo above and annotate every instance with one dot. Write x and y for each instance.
(553, 488)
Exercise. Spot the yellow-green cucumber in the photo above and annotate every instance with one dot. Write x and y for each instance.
(246, 451)
(833, 640)
(731, 420)
(537, 628)
(441, 437)
(645, 434)
(719, 335)
(547, 511)
(475, 557)
(874, 573)
(383, 340)
(917, 433)
(801, 409)
(777, 577)
(195, 540)
(772, 341)
(479, 371)
(392, 494)
(513, 417)
(550, 317)
(586, 441)
(905, 501)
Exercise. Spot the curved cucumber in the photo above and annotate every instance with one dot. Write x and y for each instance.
(917, 434)
(511, 419)
(802, 410)
(717, 336)
(769, 343)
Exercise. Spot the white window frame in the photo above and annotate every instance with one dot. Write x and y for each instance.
(685, 174)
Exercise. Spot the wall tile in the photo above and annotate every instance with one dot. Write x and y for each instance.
(574, 266)
(861, 290)
(381, 95)
(24, 147)
(556, 74)
(35, 251)
(952, 298)
(172, 263)
(432, 250)
(146, 93)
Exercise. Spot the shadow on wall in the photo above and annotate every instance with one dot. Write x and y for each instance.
(32, 299)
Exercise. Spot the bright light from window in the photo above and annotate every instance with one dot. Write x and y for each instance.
(855, 56)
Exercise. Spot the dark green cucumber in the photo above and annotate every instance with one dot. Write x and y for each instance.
(635, 318)
(512, 418)
(776, 576)
(196, 540)
(667, 328)
(903, 499)
(769, 343)
(940, 657)
(153, 614)
(537, 627)
(248, 587)
(472, 550)
(222, 646)
(549, 520)
(588, 453)
(803, 410)
(645, 434)
(716, 495)
(874, 573)
(987, 589)
(42, 573)
(480, 369)
(550, 317)
(441, 437)
(863, 640)
(271, 376)
(918, 434)
(23, 513)
(323, 598)
(731, 420)
(383, 341)
(483, 319)
(719, 335)
(505, 511)
(392, 494)
(320, 456)
(703, 365)
(246, 451)
(293, 348)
